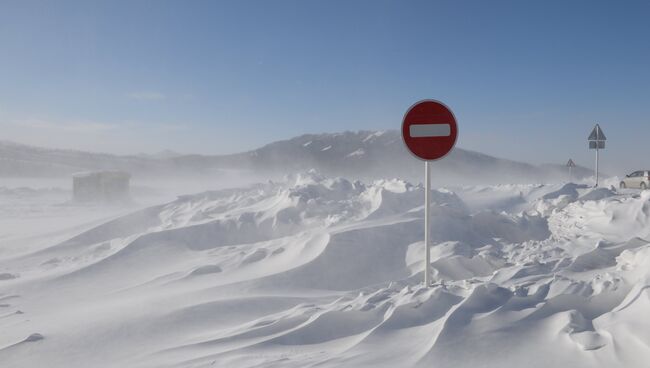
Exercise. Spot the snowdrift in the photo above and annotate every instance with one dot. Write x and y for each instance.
(324, 271)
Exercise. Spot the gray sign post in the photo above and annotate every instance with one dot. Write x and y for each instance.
(597, 141)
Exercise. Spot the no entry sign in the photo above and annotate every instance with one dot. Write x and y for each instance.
(429, 130)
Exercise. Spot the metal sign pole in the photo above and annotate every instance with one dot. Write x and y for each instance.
(597, 141)
(597, 164)
(427, 215)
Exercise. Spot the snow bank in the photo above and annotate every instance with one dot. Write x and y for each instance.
(324, 271)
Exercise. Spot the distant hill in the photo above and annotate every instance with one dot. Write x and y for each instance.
(19, 160)
(164, 154)
(363, 155)
(379, 154)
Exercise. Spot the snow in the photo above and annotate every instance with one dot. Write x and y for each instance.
(358, 152)
(374, 135)
(323, 271)
(327, 148)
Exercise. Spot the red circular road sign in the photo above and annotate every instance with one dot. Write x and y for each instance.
(429, 130)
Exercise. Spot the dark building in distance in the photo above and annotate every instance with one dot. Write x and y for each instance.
(101, 186)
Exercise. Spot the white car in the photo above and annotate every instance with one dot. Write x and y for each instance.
(637, 179)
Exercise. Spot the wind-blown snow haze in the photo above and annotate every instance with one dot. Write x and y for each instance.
(225, 184)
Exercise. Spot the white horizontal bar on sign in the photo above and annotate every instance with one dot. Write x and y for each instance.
(429, 130)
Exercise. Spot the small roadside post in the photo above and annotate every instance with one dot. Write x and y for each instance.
(597, 141)
(570, 165)
(429, 132)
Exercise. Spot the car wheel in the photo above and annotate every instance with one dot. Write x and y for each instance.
(622, 185)
(643, 186)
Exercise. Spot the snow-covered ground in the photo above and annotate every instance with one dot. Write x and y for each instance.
(316, 271)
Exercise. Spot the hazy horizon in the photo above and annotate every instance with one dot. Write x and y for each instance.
(166, 152)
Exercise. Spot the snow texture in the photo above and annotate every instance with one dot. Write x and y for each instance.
(320, 271)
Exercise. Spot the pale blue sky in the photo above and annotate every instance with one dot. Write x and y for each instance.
(526, 80)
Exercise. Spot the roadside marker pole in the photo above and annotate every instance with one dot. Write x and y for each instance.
(570, 164)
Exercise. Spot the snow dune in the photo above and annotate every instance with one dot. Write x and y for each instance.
(317, 271)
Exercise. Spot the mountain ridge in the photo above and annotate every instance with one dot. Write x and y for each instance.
(356, 154)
